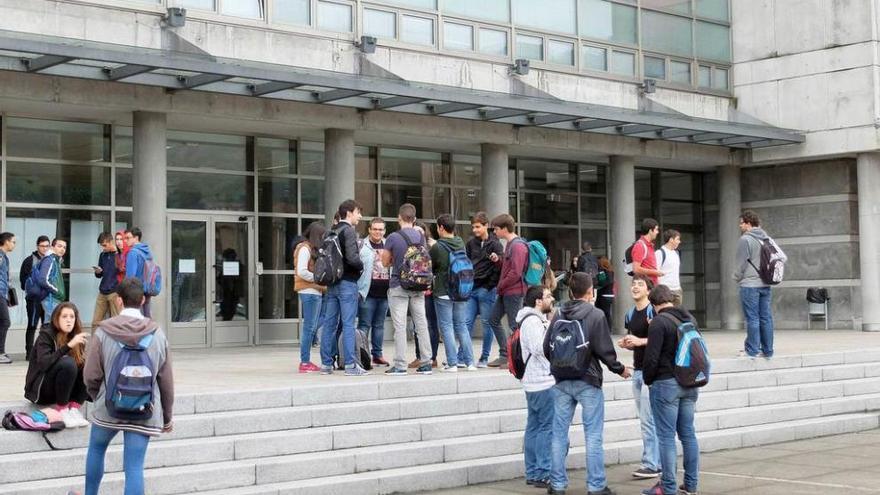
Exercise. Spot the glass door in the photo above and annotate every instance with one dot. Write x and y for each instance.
(232, 282)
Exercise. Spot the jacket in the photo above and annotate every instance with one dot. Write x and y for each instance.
(44, 355)
(748, 252)
(513, 268)
(304, 278)
(107, 263)
(353, 267)
(486, 273)
(532, 329)
(27, 266)
(134, 260)
(440, 263)
(596, 332)
(659, 362)
(367, 255)
(51, 279)
(587, 263)
(4, 275)
(128, 328)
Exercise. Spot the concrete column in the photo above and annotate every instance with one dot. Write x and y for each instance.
(495, 185)
(149, 192)
(622, 216)
(339, 170)
(729, 209)
(869, 236)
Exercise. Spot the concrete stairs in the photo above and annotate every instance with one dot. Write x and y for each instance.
(379, 435)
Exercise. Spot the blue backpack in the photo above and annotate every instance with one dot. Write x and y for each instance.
(32, 288)
(460, 278)
(629, 314)
(692, 364)
(129, 385)
(569, 350)
(537, 262)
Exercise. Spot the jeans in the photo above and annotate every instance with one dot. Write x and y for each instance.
(372, 315)
(5, 322)
(133, 453)
(673, 407)
(539, 430)
(504, 306)
(452, 319)
(311, 311)
(650, 447)
(35, 319)
(342, 304)
(433, 331)
(759, 320)
(567, 395)
(399, 301)
(481, 302)
(49, 304)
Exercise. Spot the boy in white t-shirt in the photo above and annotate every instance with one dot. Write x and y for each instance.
(669, 262)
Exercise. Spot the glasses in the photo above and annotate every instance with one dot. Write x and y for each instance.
(42, 245)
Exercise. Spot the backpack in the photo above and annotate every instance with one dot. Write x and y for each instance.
(460, 277)
(25, 422)
(515, 364)
(129, 385)
(152, 278)
(537, 262)
(329, 264)
(569, 350)
(692, 364)
(628, 260)
(361, 350)
(632, 311)
(415, 271)
(772, 268)
(33, 289)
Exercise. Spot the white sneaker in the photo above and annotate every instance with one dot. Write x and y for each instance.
(78, 417)
(450, 369)
(70, 421)
(472, 368)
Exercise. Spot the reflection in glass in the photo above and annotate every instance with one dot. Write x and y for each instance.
(364, 163)
(312, 196)
(188, 281)
(594, 58)
(713, 41)
(705, 76)
(598, 239)
(123, 144)
(291, 12)
(558, 176)
(551, 15)
(231, 270)
(719, 80)
(365, 194)
(493, 42)
(416, 4)
(592, 179)
(123, 186)
(418, 30)
(666, 33)
(623, 63)
(551, 208)
(275, 156)
(275, 242)
(601, 19)
(593, 208)
(49, 183)
(276, 195)
(200, 150)
(277, 298)
(560, 52)
(466, 203)
(680, 6)
(458, 36)
(380, 23)
(713, 9)
(530, 47)
(680, 72)
(334, 17)
(467, 170)
(655, 67)
(561, 244)
(429, 201)
(195, 4)
(199, 191)
(680, 186)
(311, 158)
(31, 138)
(490, 10)
(412, 166)
(251, 9)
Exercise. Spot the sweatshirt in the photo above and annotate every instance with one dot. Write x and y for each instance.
(486, 273)
(748, 248)
(45, 354)
(107, 263)
(513, 268)
(351, 259)
(51, 279)
(440, 263)
(134, 260)
(532, 326)
(128, 328)
(659, 361)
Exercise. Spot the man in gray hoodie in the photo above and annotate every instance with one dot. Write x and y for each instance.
(753, 292)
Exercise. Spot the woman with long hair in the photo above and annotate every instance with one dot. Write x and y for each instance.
(122, 249)
(310, 293)
(55, 370)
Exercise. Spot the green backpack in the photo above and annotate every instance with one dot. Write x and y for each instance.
(534, 274)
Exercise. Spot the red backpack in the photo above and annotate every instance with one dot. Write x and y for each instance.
(515, 363)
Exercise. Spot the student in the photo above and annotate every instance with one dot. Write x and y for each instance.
(672, 405)
(7, 244)
(605, 289)
(51, 281)
(584, 389)
(402, 301)
(33, 307)
(430, 309)
(538, 385)
(644, 260)
(374, 307)
(105, 303)
(669, 260)
(636, 322)
(755, 295)
(55, 370)
(480, 247)
(138, 254)
(587, 263)
(310, 293)
(122, 250)
(511, 286)
(129, 327)
(451, 315)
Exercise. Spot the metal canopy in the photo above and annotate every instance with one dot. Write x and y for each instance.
(182, 71)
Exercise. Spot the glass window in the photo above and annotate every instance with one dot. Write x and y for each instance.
(277, 298)
(364, 163)
(123, 186)
(198, 150)
(679, 213)
(123, 144)
(592, 179)
(412, 166)
(705, 80)
(195, 4)
(550, 15)
(680, 72)
(680, 6)
(467, 170)
(598, 239)
(623, 63)
(560, 52)
(604, 20)
(561, 244)
(549, 208)
(275, 242)
(276, 195)
(334, 17)
(416, 4)
(719, 81)
(292, 12)
(418, 30)
(188, 296)
(555, 176)
(200, 191)
(713, 41)
(530, 47)
(466, 203)
(312, 196)
(458, 36)
(252, 9)
(50, 183)
(594, 58)
(311, 158)
(366, 194)
(275, 156)
(655, 67)
(493, 42)
(430, 202)
(31, 138)
(679, 186)
(713, 9)
(592, 208)
(380, 23)
(490, 10)
(666, 33)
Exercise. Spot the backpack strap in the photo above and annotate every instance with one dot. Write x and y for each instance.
(519, 326)
(143, 343)
(663, 257)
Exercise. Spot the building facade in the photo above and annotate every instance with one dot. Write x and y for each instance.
(224, 137)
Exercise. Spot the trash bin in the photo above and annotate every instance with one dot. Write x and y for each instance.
(817, 306)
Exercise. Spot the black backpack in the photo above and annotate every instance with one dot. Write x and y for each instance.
(692, 364)
(329, 263)
(569, 350)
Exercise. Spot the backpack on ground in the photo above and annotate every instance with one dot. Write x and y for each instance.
(515, 363)
(329, 264)
(772, 267)
(460, 277)
(692, 364)
(152, 278)
(536, 263)
(361, 350)
(25, 422)
(415, 271)
(569, 350)
(129, 385)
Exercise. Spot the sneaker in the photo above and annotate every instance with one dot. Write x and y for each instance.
(424, 369)
(434, 363)
(541, 483)
(326, 370)
(471, 368)
(450, 369)
(744, 354)
(683, 491)
(482, 363)
(356, 370)
(308, 368)
(604, 491)
(644, 473)
(5, 359)
(654, 490)
(501, 361)
(461, 365)
(395, 371)
(77, 418)
(415, 363)
(555, 491)
(70, 421)
(380, 361)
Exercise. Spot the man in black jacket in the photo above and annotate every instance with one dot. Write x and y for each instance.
(585, 390)
(587, 263)
(34, 308)
(342, 297)
(672, 405)
(486, 275)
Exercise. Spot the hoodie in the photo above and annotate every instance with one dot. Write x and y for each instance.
(134, 260)
(486, 273)
(128, 328)
(45, 354)
(537, 377)
(440, 263)
(748, 253)
(108, 275)
(51, 279)
(659, 362)
(598, 336)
